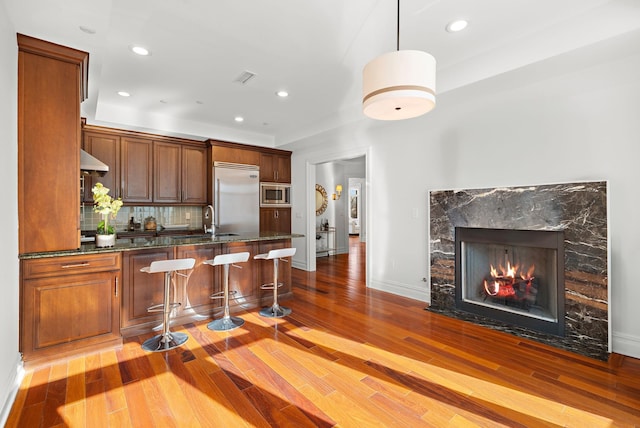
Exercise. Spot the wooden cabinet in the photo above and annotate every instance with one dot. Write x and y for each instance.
(275, 168)
(105, 147)
(147, 169)
(244, 281)
(180, 174)
(137, 170)
(195, 170)
(265, 272)
(141, 290)
(69, 304)
(275, 220)
(234, 153)
(51, 85)
(203, 281)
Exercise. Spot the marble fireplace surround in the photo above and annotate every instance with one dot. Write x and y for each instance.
(578, 209)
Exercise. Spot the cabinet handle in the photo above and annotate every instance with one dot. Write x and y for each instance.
(116, 286)
(276, 214)
(76, 265)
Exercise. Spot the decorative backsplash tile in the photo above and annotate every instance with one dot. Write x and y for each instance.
(191, 216)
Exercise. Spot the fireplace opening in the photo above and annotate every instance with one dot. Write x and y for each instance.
(513, 276)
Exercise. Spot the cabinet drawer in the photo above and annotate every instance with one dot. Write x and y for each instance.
(67, 265)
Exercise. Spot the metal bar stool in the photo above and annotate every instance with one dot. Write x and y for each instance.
(275, 311)
(167, 340)
(227, 322)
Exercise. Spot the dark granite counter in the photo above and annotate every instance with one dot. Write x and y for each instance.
(125, 242)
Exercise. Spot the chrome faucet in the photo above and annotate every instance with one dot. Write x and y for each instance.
(207, 220)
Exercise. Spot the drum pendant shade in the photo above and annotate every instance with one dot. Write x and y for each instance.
(399, 85)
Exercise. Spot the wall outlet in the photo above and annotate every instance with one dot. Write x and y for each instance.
(187, 215)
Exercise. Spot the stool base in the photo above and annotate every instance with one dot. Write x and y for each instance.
(275, 311)
(162, 342)
(225, 324)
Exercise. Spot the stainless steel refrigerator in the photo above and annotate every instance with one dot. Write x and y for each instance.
(236, 198)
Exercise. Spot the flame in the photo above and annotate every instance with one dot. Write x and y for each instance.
(511, 271)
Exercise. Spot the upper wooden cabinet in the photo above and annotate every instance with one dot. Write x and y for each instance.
(180, 174)
(148, 169)
(275, 168)
(51, 86)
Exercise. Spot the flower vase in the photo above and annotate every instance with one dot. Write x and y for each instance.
(106, 240)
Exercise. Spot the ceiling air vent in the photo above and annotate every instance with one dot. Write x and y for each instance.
(244, 77)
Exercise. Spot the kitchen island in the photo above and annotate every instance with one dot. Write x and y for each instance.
(90, 298)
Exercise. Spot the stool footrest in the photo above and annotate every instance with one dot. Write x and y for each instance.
(269, 286)
(160, 307)
(220, 294)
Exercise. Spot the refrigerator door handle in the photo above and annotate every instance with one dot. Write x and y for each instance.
(216, 214)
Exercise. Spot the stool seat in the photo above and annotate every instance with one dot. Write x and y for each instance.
(228, 259)
(275, 311)
(276, 254)
(167, 340)
(169, 265)
(227, 322)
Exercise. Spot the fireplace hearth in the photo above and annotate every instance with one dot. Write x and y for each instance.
(575, 316)
(514, 276)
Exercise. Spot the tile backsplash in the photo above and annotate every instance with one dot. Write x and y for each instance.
(172, 215)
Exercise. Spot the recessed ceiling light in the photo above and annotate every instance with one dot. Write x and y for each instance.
(457, 25)
(140, 50)
(199, 102)
(163, 101)
(238, 119)
(124, 94)
(282, 94)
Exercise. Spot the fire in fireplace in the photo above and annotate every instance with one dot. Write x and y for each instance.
(513, 276)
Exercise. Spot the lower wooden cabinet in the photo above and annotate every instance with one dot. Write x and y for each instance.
(69, 304)
(276, 220)
(265, 272)
(141, 290)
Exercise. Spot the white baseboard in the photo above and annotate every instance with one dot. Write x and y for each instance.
(626, 344)
(299, 264)
(13, 383)
(417, 293)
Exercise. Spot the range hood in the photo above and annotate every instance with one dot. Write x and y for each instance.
(91, 165)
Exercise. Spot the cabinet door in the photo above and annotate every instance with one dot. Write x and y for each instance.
(275, 220)
(141, 290)
(204, 280)
(167, 172)
(244, 281)
(136, 170)
(266, 271)
(194, 175)
(68, 309)
(49, 95)
(275, 168)
(106, 148)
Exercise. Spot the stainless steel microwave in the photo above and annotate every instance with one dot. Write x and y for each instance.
(275, 195)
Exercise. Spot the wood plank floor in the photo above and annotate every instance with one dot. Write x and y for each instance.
(348, 357)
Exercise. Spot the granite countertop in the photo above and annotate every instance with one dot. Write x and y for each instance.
(125, 243)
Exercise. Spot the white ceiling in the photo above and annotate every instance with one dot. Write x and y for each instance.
(315, 49)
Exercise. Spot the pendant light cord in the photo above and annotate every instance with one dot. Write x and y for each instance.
(398, 29)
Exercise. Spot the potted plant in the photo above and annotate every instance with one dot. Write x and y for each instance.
(108, 207)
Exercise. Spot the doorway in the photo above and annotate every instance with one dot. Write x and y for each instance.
(344, 212)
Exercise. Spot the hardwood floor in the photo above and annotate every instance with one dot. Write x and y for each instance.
(347, 356)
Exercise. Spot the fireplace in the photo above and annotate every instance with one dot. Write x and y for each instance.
(573, 243)
(513, 276)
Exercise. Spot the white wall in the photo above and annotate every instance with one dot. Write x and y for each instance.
(570, 118)
(10, 363)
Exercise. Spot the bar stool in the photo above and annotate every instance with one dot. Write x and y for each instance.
(227, 322)
(275, 311)
(167, 340)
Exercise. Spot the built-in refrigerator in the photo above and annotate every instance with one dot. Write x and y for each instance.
(236, 195)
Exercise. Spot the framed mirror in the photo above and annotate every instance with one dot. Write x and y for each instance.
(321, 199)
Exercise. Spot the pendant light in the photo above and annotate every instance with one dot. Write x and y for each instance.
(399, 85)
